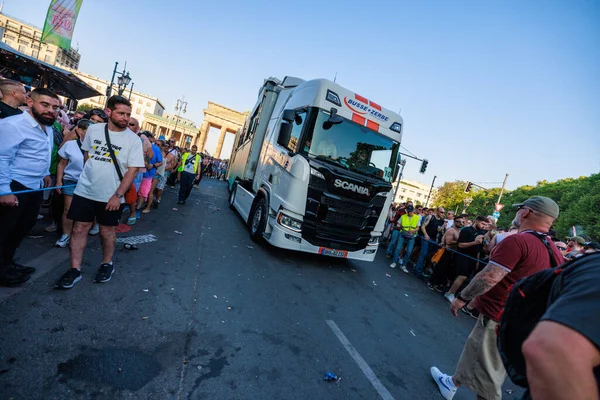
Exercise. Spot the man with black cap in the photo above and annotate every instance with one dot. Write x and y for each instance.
(407, 229)
(480, 367)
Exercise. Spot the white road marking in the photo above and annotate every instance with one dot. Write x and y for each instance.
(362, 364)
(137, 239)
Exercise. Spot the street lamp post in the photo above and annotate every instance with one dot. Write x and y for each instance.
(122, 81)
(179, 107)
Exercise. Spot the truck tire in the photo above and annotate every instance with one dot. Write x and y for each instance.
(232, 194)
(257, 220)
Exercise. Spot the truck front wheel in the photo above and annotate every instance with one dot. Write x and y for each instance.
(257, 220)
(232, 194)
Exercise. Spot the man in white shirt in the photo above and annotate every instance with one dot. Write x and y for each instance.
(24, 162)
(100, 190)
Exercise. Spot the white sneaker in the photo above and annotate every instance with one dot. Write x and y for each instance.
(393, 265)
(51, 228)
(63, 241)
(95, 230)
(444, 382)
(449, 297)
(403, 268)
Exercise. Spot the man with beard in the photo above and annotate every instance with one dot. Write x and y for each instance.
(480, 366)
(100, 190)
(14, 95)
(24, 164)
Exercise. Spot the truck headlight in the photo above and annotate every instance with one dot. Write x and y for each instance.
(289, 222)
(316, 173)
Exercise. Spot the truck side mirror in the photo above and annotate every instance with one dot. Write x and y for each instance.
(289, 115)
(285, 132)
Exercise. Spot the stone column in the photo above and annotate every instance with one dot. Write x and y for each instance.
(201, 138)
(220, 142)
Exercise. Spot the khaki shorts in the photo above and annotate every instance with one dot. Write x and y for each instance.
(480, 367)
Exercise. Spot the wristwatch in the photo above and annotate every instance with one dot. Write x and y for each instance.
(459, 296)
(119, 196)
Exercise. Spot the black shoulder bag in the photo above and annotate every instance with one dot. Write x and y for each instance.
(131, 194)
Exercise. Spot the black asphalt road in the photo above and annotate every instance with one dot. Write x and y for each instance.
(208, 314)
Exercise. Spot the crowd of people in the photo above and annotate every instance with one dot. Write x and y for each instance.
(475, 264)
(96, 165)
(447, 250)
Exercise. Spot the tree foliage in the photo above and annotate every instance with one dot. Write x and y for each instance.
(578, 199)
(85, 107)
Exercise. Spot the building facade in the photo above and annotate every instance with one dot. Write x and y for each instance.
(26, 38)
(141, 104)
(413, 191)
(183, 130)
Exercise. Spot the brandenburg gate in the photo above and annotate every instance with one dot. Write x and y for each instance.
(218, 116)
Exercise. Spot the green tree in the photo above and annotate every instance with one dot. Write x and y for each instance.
(451, 195)
(578, 199)
(85, 107)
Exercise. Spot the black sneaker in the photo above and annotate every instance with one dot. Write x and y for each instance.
(11, 278)
(21, 268)
(69, 279)
(179, 202)
(104, 273)
(430, 286)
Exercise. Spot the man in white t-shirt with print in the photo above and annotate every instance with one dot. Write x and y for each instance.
(100, 191)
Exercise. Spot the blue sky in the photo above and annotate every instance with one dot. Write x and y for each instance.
(485, 87)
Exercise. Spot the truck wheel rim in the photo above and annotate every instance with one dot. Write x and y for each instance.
(256, 219)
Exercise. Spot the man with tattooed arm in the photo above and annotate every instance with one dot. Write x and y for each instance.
(520, 255)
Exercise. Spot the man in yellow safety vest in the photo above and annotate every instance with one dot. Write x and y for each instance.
(191, 168)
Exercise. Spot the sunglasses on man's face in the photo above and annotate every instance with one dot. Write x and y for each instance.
(561, 248)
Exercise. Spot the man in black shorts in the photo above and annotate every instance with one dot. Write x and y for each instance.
(469, 246)
(101, 188)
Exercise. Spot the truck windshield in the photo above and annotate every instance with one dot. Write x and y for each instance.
(352, 146)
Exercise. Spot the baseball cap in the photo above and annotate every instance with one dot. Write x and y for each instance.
(578, 240)
(542, 204)
(410, 209)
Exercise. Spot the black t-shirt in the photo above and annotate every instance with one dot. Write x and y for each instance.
(468, 235)
(575, 300)
(8, 111)
(432, 227)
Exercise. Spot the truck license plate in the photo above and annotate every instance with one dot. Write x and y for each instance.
(333, 252)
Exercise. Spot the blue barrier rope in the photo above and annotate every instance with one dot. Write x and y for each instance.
(449, 249)
(37, 190)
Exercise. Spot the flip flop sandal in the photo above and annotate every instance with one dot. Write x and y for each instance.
(145, 211)
(131, 221)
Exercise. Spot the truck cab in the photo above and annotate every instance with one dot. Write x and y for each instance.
(313, 166)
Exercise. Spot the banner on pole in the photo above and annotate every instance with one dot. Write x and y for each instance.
(60, 22)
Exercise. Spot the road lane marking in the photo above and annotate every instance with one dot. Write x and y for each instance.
(362, 364)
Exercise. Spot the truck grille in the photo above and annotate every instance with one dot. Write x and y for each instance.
(346, 206)
(352, 221)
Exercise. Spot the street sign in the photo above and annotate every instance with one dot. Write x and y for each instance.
(499, 207)
(496, 214)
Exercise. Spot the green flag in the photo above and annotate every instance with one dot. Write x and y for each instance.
(60, 22)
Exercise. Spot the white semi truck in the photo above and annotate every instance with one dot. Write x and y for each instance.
(313, 166)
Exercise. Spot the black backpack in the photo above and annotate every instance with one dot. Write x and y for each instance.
(525, 305)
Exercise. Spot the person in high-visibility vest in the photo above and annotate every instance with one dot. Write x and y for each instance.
(190, 169)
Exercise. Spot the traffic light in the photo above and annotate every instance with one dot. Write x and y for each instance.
(468, 187)
(424, 166)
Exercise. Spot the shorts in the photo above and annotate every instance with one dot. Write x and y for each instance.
(85, 210)
(480, 366)
(145, 187)
(69, 190)
(464, 266)
(162, 179)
